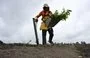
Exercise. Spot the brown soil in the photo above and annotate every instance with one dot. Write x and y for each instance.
(38, 52)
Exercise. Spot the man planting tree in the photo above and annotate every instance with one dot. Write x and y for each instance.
(46, 17)
(49, 20)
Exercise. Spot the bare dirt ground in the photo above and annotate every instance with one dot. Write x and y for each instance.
(10, 51)
(84, 50)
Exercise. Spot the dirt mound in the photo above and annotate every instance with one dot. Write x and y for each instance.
(38, 51)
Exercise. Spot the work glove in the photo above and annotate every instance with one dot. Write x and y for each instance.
(35, 19)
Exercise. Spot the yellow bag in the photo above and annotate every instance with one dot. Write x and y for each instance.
(43, 26)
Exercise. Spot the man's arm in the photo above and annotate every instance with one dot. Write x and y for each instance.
(36, 18)
(38, 15)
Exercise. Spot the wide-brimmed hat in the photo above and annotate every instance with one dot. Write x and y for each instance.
(45, 5)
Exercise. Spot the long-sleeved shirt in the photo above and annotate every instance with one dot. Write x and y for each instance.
(44, 14)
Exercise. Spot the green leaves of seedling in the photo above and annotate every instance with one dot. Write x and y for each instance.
(61, 16)
(56, 17)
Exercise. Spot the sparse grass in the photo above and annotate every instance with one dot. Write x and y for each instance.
(84, 50)
(59, 50)
(20, 50)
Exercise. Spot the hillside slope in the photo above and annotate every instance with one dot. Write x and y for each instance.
(55, 51)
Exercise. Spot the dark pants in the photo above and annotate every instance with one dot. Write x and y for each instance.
(50, 31)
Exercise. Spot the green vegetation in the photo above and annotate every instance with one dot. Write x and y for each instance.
(61, 16)
(56, 17)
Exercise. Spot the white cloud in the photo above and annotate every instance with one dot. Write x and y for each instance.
(17, 26)
(2, 24)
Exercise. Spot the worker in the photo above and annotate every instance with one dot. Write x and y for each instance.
(46, 17)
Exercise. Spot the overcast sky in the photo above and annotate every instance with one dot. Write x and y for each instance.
(16, 23)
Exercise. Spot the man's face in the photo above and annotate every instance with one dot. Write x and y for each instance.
(46, 8)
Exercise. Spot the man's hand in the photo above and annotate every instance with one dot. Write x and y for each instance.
(35, 19)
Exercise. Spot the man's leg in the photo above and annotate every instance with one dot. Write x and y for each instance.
(44, 37)
(50, 30)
